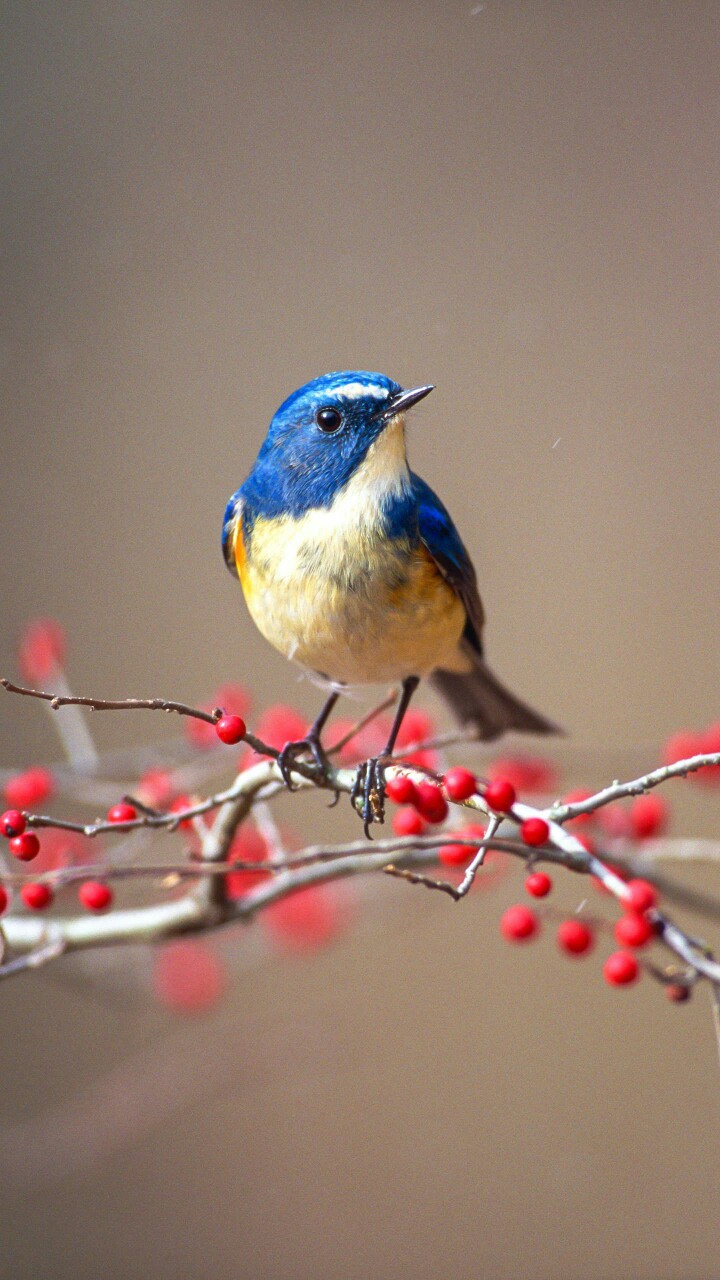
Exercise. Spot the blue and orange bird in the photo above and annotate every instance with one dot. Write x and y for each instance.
(352, 567)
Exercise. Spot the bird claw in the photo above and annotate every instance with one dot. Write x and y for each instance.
(369, 788)
(291, 750)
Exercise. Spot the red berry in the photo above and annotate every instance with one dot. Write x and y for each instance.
(518, 924)
(230, 729)
(25, 846)
(575, 937)
(42, 649)
(455, 855)
(95, 895)
(234, 700)
(187, 976)
(640, 897)
(3, 899)
(12, 823)
(29, 788)
(408, 822)
(430, 802)
(538, 884)
(122, 812)
(648, 816)
(500, 795)
(677, 992)
(460, 783)
(401, 789)
(179, 805)
(36, 896)
(633, 930)
(620, 969)
(534, 831)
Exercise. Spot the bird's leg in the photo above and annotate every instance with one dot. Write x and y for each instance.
(309, 743)
(370, 780)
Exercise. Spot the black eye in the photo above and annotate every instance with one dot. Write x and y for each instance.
(328, 419)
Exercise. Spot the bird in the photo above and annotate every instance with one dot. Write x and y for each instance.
(352, 567)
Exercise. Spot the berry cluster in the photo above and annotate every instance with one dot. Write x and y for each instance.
(575, 937)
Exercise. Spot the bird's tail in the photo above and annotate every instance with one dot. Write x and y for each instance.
(479, 699)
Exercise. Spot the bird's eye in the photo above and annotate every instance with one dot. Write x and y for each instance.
(328, 419)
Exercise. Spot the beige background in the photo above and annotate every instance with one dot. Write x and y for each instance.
(205, 205)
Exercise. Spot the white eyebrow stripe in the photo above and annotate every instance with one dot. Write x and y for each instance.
(354, 390)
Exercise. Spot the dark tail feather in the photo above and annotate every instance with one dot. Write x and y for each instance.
(479, 699)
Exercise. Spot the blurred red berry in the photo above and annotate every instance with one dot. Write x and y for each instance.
(280, 724)
(455, 855)
(620, 969)
(538, 884)
(25, 790)
(710, 744)
(230, 729)
(579, 796)
(179, 805)
(678, 992)
(614, 820)
(36, 896)
(42, 649)
(534, 831)
(3, 899)
(519, 924)
(526, 773)
(309, 919)
(401, 789)
(95, 895)
(649, 816)
(408, 822)
(201, 733)
(25, 847)
(574, 937)
(641, 896)
(155, 788)
(64, 849)
(460, 783)
(247, 846)
(500, 795)
(587, 842)
(122, 812)
(633, 930)
(12, 823)
(681, 746)
(417, 726)
(430, 801)
(187, 976)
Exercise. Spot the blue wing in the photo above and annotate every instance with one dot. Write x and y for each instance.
(442, 540)
(233, 512)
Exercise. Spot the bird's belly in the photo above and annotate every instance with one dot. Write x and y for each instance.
(359, 613)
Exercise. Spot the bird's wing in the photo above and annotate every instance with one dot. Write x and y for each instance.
(442, 540)
(231, 523)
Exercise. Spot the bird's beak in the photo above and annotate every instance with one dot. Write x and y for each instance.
(405, 400)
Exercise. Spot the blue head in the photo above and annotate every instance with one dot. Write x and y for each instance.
(321, 436)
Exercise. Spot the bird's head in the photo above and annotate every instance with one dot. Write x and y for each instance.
(327, 432)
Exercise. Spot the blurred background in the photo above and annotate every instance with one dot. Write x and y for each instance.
(203, 207)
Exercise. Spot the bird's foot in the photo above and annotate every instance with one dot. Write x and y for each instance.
(290, 752)
(369, 790)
